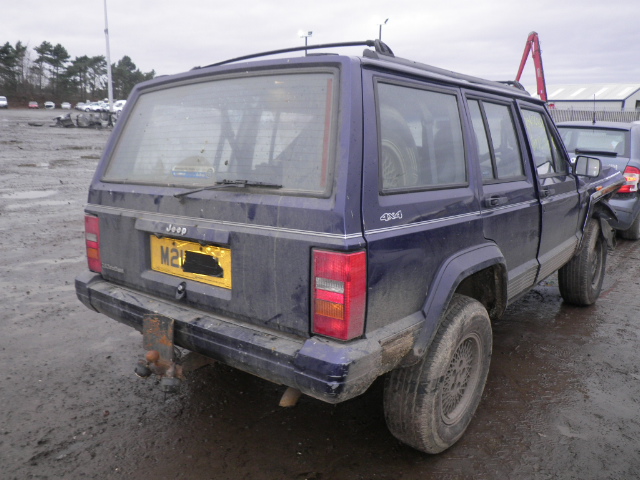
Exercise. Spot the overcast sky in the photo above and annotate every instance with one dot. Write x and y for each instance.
(583, 41)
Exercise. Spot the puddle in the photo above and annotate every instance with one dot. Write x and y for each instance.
(42, 164)
(29, 195)
(46, 203)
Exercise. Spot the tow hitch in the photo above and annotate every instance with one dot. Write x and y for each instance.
(160, 357)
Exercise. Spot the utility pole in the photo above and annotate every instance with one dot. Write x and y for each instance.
(380, 29)
(109, 79)
(305, 35)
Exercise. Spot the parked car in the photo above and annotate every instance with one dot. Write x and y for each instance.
(95, 107)
(80, 106)
(617, 145)
(65, 105)
(3, 102)
(49, 105)
(33, 104)
(327, 220)
(118, 106)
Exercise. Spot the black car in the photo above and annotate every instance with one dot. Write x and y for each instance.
(323, 220)
(617, 145)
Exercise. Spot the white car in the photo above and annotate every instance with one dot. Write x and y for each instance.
(65, 106)
(49, 105)
(3, 102)
(118, 106)
(94, 107)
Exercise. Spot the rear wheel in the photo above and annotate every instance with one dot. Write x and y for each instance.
(429, 405)
(580, 280)
(633, 232)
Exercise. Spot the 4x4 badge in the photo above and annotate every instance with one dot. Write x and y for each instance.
(391, 216)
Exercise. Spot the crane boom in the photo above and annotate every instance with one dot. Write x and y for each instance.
(533, 46)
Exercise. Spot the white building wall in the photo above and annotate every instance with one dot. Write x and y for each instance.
(587, 105)
(633, 102)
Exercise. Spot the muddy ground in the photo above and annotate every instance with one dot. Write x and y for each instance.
(562, 400)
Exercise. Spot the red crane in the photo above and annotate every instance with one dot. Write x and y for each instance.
(533, 46)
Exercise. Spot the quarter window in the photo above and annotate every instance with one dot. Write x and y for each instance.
(421, 142)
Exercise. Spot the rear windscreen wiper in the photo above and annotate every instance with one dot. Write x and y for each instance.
(604, 153)
(229, 183)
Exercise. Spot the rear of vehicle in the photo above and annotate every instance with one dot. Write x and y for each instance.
(616, 145)
(322, 220)
(3, 102)
(228, 201)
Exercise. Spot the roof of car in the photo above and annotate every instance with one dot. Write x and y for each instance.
(383, 56)
(609, 125)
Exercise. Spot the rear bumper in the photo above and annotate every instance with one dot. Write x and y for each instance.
(328, 370)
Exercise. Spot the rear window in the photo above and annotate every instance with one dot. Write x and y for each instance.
(594, 139)
(277, 129)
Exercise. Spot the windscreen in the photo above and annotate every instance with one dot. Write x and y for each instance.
(276, 129)
(594, 139)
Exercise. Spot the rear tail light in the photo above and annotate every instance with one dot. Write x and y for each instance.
(339, 293)
(632, 174)
(92, 240)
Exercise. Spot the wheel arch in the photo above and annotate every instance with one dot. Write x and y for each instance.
(480, 273)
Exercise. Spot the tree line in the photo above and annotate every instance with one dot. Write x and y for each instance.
(47, 72)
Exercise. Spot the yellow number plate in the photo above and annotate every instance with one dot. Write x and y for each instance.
(208, 264)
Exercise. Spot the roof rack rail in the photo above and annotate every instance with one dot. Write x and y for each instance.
(513, 83)
(380, 47)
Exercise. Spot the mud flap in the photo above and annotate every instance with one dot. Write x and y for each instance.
(607, 232)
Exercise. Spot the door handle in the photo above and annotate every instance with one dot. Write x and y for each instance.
(495, 201)
(546, 192)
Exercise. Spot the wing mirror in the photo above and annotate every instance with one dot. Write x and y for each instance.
(587, 166)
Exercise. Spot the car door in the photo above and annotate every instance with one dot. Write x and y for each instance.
(557, 189)
(510, 207)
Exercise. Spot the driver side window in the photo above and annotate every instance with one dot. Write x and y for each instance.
(547, 155)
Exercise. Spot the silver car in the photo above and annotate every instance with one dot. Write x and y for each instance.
(617, 145)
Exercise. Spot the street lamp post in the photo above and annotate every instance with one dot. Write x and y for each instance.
(305, 35)
(109, 78)
(380, 29)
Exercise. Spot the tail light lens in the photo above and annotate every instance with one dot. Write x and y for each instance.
(339, 293)
(632, 174)
(92, 240)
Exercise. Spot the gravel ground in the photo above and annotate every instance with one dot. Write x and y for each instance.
(562, 399)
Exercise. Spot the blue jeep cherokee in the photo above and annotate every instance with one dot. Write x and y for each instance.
(322, 220)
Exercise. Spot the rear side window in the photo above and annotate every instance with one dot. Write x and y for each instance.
(276, 128)
(421, 142)
(547, 155)
(498, 147)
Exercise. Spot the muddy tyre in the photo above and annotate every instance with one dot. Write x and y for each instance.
(430, 404)
(580, 280)
(633, 232)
